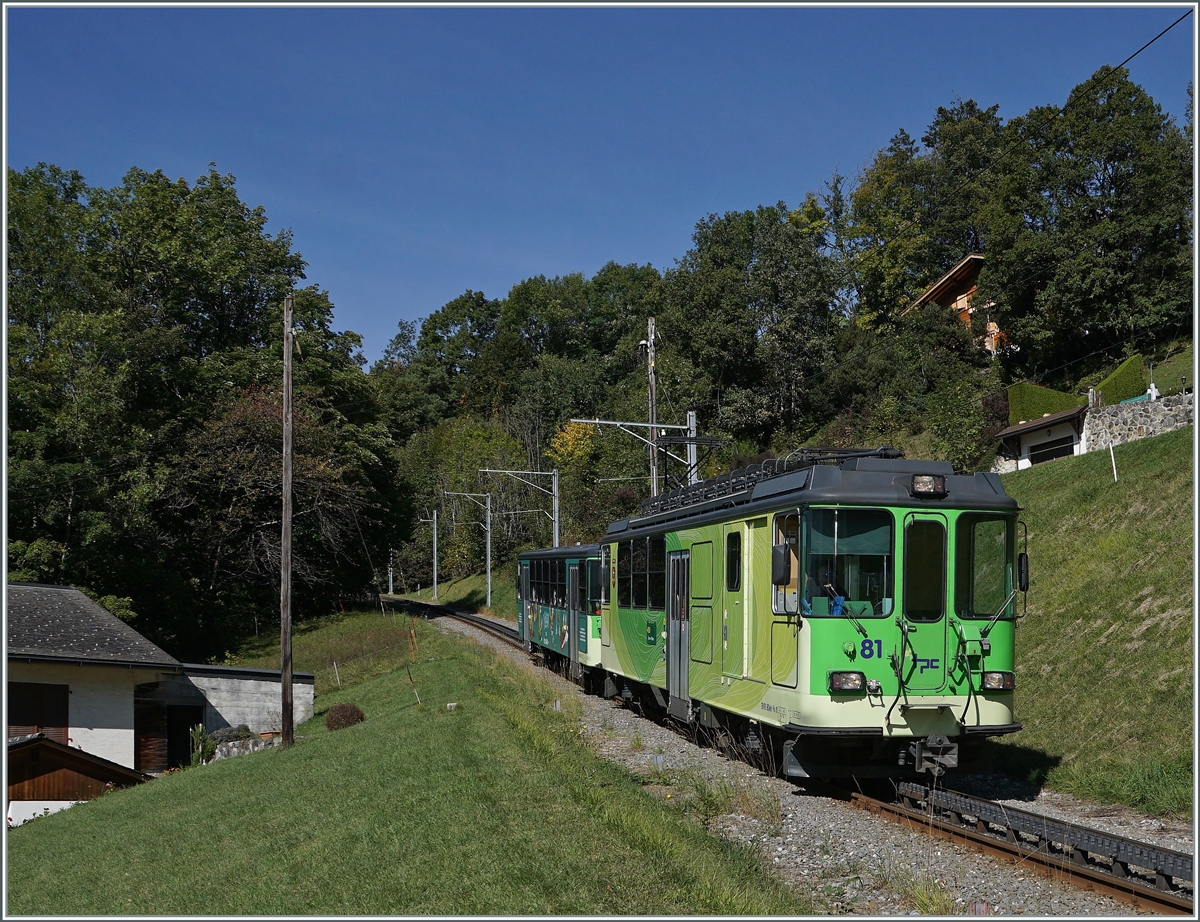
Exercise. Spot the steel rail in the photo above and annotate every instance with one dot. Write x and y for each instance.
(1135, 873)
(498, 629)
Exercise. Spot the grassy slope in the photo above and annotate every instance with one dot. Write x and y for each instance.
(496, 807)
(1105, 683)
(470, 592)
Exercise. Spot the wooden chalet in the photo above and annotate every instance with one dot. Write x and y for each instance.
(956, 289)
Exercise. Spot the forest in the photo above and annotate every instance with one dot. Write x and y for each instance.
(145, 359)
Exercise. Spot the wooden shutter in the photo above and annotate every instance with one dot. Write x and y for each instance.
(37, 707)
(150, 736)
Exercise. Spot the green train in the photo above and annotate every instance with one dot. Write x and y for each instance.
(849, 611)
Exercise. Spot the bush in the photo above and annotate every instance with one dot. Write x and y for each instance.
(1029, 401)
(1129, 380)
(231, 734)
(343, 715)
(203, 745)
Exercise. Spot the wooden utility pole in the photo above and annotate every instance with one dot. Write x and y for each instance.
(285, 557)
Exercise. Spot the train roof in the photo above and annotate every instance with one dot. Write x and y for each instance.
(862, 477)
(566, 551)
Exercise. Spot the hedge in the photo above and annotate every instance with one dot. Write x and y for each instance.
(1129, 380)
(1029, 401)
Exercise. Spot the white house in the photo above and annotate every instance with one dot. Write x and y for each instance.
(80, 678)
(1055, 435)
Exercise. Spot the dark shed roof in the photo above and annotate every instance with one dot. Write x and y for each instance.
(61, 623)
(1073, 415)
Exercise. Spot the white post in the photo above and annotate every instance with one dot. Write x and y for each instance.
(435, 555)
(653, 409)
(1114, 462)
(489, 550)
(693, 472)
(555, 507)
(390, 570)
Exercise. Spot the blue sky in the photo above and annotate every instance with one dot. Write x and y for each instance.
(416, 153)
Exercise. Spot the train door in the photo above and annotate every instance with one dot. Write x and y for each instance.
(574, 611)
(924, 609)
(678, 634)
(523, 602)
(733, 652)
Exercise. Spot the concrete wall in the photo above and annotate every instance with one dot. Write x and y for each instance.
(250, 697)
(100, 705)
(1127, 422)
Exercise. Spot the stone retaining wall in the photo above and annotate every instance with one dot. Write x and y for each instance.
(1127, 422)
(241, 747)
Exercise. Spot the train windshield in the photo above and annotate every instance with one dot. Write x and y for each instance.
(848, 568)
(983, 565)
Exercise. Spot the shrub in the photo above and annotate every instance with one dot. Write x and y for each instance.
(231, 734)
(1028, 401)
(1129, 380)
(343, 715)
(203, 746)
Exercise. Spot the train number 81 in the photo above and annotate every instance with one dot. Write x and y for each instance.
(871, 648)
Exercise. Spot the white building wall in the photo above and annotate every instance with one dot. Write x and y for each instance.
(233, 701)
(1032, 440)
(100, 704)
(22, 811)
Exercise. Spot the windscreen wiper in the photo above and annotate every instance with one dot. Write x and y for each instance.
(987, 627)
(840, 607)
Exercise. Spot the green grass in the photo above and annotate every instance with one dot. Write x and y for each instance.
(339, 649)
(1105, 683)
(470, 593)
(494, 808)
(1169, 372)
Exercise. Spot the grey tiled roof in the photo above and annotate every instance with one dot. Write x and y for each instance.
(63, 623)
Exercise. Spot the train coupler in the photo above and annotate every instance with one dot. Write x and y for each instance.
(932, 754)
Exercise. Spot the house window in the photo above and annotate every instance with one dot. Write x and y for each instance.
(36, 707)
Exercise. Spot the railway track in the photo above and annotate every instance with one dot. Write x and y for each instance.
(497, 629)
(1141, 875)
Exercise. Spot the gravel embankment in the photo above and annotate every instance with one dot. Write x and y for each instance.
(849, 860)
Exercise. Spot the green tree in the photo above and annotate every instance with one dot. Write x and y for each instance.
(1091, 228)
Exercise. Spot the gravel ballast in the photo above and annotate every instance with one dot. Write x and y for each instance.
(848, 860)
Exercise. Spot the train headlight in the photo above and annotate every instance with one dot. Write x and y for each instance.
(928, 485)
(998, 681)
(847, 681)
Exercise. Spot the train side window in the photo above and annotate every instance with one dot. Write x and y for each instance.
(595, 587)
(639, 573)
(733, 561)
(605, 573)
(625, 574)
(786, 598)
(581, 588)
(657, 571)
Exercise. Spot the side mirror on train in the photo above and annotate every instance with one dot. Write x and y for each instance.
(1023, 572)
(781, 565)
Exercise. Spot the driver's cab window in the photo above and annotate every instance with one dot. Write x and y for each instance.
(849, 565)
(787, 534)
